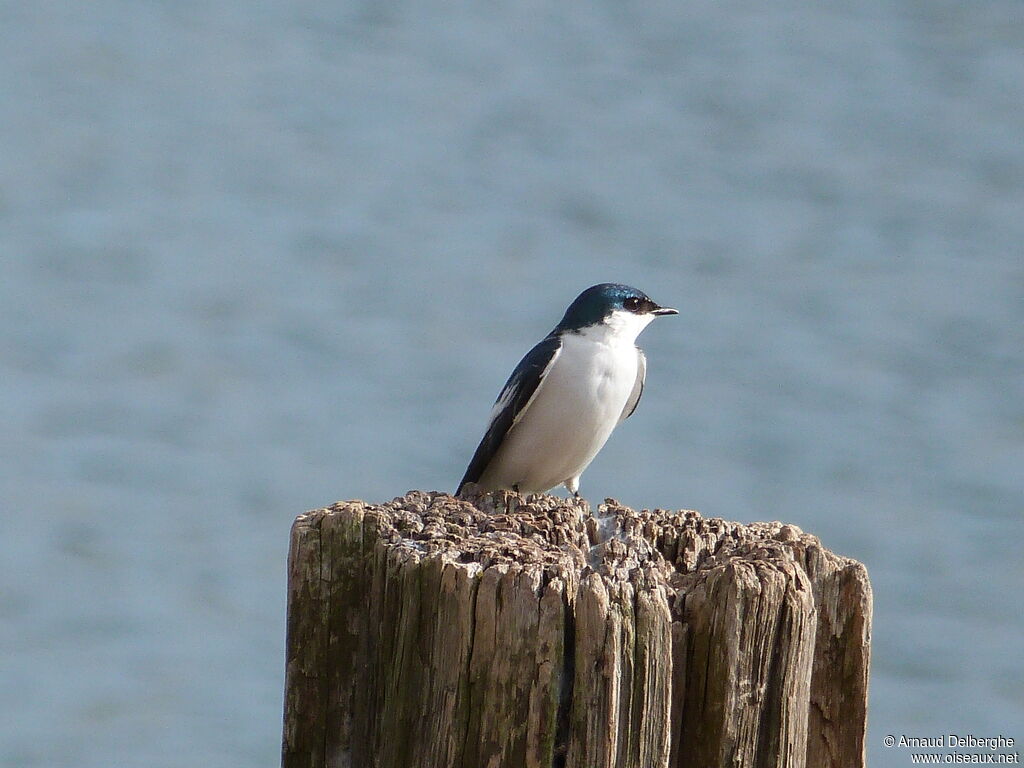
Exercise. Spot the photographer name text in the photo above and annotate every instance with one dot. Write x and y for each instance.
(951, 741)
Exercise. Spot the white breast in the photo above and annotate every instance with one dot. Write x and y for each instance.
(579, 403)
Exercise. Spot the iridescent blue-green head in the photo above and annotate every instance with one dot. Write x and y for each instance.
(606, 302)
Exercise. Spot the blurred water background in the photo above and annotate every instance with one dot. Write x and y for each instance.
(258, 256)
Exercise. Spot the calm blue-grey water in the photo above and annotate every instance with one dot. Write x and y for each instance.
(257, 256)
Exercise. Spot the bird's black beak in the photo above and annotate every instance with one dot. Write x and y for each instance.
(664, 311)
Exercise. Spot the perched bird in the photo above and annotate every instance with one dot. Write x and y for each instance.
(565, 397)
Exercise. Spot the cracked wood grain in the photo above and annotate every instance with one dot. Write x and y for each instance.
(508, 631)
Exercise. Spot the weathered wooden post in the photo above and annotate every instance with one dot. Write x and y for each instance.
(503, 632)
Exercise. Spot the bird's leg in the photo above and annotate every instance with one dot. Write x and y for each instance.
(510, 503)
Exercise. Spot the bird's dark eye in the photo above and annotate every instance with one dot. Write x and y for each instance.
(632, 303)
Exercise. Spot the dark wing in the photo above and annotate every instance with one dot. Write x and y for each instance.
(515, 398)
(638, 387)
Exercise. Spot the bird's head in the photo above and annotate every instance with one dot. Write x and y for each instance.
(619, 307)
